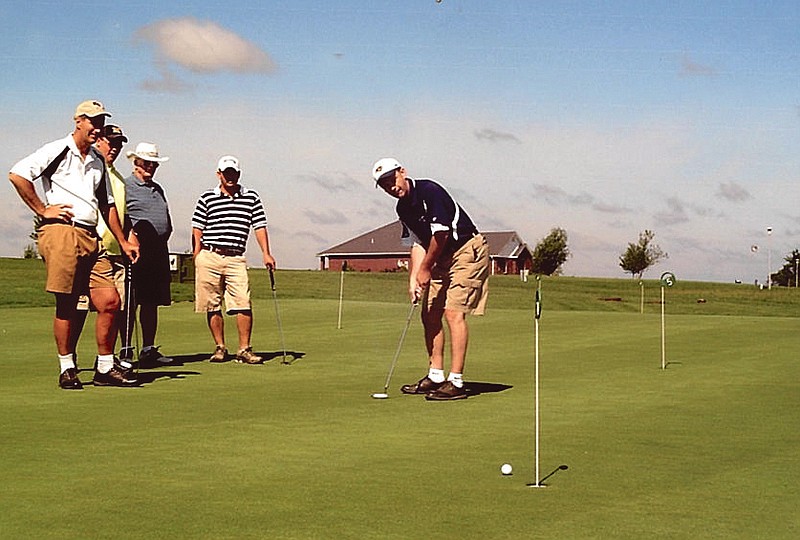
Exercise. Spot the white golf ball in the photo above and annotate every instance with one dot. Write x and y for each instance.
(506, 469)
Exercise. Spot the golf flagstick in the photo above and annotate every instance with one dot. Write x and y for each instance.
(667, 280)
(341, 294)
(385, 394)
(663, 334)
(277, 313)
(537, 316)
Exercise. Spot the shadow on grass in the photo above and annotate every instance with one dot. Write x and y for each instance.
(184, 359)
(291, 356)
(542, 483)
(151, 376)
(478, 388)
(147, 377)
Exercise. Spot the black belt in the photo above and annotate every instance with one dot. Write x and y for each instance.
(52, 221)
(227, 252)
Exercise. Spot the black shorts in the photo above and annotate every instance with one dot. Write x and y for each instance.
(151, 275)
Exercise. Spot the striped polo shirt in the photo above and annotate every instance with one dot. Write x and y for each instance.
(226, 221)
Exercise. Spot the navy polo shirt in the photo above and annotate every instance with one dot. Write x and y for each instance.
(428, 209)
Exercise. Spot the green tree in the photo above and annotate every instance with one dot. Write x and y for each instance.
(787, 276)
(30, 250)
(551, 253)
(641, 255)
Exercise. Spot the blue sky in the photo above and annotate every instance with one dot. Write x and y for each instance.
(603, 118)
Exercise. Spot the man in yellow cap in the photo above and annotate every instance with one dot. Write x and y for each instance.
(77, 192)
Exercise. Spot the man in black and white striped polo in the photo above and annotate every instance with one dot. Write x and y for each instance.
(221, 224)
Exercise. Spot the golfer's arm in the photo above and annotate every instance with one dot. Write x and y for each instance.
(27, 193)
(416, 256)
(197, 241)
(435, 249)
(262, 238)
(111, 217)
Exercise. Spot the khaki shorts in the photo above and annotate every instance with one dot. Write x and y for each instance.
(461, 282)
(217, 278)
(118, 269)
(70, 258)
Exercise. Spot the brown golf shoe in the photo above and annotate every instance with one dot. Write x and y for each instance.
(423, 386)
(446, 392)
(114, 377)
(247, 356)
(68, 380)
(220, 354)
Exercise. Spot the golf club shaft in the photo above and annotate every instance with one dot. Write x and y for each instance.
(129, 314)
(277, 312)
(399, 346)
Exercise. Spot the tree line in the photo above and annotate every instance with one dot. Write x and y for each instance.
(552, 251)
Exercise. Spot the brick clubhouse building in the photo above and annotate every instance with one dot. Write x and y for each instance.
(381, 250)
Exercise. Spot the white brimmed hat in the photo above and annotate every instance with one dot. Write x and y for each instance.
(383, 166)
(148, 152)
(228, 162)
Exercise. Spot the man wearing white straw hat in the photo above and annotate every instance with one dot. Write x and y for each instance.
(148, 212)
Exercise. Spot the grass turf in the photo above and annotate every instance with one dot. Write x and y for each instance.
(706, 448)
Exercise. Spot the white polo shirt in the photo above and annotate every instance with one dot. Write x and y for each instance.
(74, 181)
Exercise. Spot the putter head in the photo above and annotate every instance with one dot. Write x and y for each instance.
(380, 395)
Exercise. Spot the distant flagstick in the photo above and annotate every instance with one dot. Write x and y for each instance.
(667, 280)
(537, 316)
(341, 295)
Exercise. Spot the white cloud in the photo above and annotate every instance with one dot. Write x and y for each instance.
(495, 136)
(168, 83)
(732, 191)
(204, 47)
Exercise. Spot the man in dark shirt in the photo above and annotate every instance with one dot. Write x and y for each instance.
(448, 272)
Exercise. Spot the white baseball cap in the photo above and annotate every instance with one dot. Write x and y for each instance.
(228, 162)
(383, 166)
(148, 152)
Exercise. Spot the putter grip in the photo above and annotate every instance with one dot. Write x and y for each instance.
(272, 278)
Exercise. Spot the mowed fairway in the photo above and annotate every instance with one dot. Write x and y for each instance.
(708, 448)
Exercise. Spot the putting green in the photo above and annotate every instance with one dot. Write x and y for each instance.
(706, 448)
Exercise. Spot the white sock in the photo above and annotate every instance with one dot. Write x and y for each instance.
(456, 379)
(125, 364)
(105, 362)
(436, 375)
(66, 362)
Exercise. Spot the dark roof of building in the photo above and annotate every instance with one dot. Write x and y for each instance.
(386, 241)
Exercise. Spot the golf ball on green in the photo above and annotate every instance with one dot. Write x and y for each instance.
(506, 469)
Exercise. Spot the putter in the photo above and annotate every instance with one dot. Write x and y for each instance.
(126, 345)
(385, 394)
(277, 314)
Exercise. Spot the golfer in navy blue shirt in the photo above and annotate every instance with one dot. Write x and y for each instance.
(448, 274)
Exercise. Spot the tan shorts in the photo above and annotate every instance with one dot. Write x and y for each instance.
(118, 269)
(217, 278)
(70, 258)
(461, 282)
